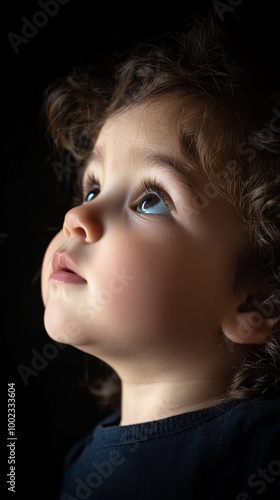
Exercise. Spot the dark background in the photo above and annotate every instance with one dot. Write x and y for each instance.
(53, 407)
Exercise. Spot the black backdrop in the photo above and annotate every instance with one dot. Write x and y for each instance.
(53, 408)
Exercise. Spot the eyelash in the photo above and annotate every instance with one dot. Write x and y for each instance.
(88, 184)
(146, 187)
(149, 186)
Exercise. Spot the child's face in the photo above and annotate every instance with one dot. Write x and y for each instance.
(152, 278)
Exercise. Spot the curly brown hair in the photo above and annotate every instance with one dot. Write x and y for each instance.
(232, 135)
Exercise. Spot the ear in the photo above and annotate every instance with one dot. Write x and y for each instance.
(250, 321)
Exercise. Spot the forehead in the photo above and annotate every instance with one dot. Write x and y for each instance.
(143, 136)
(150, 123)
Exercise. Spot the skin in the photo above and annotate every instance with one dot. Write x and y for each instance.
(157, 301)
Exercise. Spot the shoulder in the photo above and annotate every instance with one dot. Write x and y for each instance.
(258, 413)
(263, 409)
(252, 426)
(77, 449)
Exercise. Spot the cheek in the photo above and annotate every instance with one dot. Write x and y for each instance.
(138, 287)
(166, 288)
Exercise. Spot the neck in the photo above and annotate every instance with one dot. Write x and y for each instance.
(157, 400)
(153, 389)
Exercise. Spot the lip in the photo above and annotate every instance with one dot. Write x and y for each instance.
(64, 270)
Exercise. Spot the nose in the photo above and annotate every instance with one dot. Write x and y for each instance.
(82, 221)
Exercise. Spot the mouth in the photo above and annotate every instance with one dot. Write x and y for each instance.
(64, 270)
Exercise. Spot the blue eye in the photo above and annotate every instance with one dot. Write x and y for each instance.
(153, 204)
(91, 195)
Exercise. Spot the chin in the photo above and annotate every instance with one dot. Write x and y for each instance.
(60, 327)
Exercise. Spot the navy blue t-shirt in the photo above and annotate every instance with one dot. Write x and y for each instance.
(227, 452)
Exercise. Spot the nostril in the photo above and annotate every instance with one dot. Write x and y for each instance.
(80, 231)
(75, 231)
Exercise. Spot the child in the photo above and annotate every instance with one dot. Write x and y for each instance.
(168, 268)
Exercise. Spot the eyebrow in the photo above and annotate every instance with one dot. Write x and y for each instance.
(183, 170)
